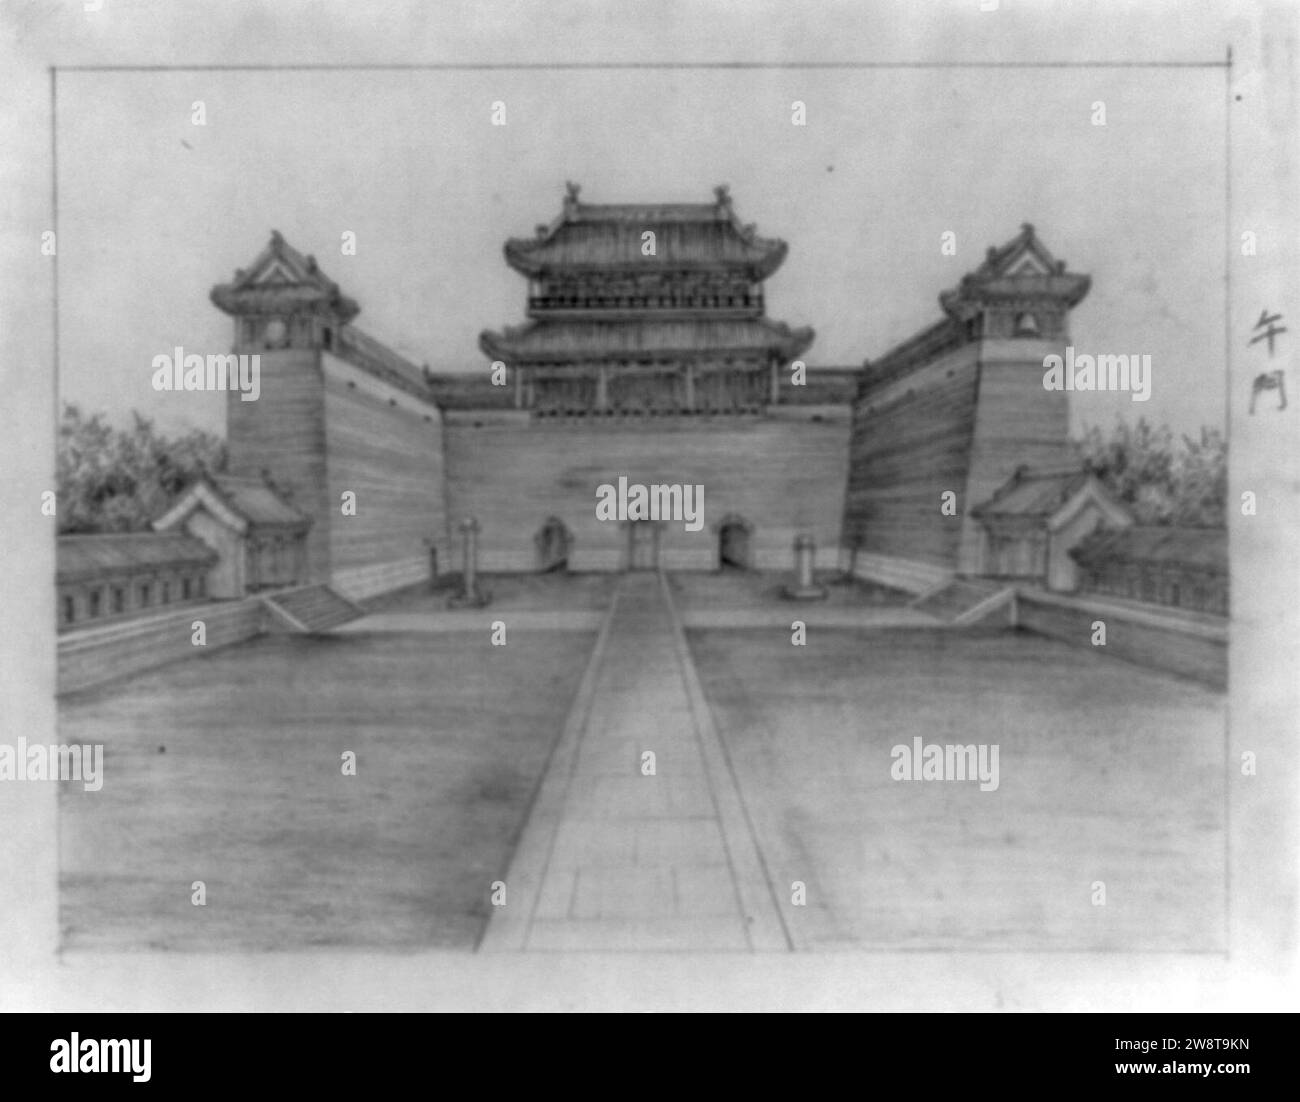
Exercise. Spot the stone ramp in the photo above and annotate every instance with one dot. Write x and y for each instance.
(311, 609)
(613, 859)
(962, 601)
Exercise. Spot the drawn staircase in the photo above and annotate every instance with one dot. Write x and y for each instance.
(311, 609)
(962, 601)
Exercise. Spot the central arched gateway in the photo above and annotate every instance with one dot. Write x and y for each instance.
(643, 545)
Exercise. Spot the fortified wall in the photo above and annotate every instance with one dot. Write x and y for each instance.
(338, 413)
(775, 474)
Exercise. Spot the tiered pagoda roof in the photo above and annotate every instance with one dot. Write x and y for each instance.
(568, 341)
(601, 298)
(687, 235)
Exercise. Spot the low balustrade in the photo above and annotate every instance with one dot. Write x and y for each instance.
(560, 302)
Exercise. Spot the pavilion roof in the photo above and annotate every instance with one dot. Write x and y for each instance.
(1035, 492)
(562, 341)
(687, 235)
(89, 556)
(238, 502)
(1021, 268)
(281, 280)
(1202, 548)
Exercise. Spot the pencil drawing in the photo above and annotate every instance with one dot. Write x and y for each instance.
(640, 621)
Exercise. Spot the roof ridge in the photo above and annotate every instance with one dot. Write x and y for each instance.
(1054, 470)
(118, 535)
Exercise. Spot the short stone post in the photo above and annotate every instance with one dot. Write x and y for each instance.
(433, 565)
(471, 595)
(805, 587)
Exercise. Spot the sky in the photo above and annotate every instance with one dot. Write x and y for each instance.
(153, 209)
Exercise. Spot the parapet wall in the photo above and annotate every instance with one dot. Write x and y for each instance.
(1192, 646)
(107, 653)
(960, 422)
(386, 447)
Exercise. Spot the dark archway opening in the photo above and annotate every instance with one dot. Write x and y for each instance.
(554, 541)
(734, 544)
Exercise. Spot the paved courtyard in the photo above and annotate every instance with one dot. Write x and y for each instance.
(769, 822)
(228, 769)
(1107, 773)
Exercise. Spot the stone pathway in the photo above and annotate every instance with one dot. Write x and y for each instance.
(612, 859)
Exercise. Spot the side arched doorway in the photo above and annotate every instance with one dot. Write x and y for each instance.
(735, 540)
(553, 542)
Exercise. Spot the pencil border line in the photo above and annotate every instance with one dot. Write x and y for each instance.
(738, 66)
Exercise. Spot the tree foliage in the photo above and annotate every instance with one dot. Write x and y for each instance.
(120, 480)
(1162, 479)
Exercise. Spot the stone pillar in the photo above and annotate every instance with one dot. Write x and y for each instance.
(690, 385)
(602, 388)
(433, 564)
(519, 388)
(469, 526)
(471, 594)
(805, 587)
(775, 394)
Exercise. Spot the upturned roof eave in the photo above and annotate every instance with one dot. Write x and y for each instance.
(767, 255)
(498, 346)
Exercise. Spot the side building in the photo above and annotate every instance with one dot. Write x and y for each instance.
(258, 536)
(1178, 567)
(109, 577)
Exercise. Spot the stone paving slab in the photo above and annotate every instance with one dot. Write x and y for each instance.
(479, 619)
(813, 615)
(614, 859)
(670, 933)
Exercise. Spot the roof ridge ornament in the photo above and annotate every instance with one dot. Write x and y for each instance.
(722, 193)
(571, 192)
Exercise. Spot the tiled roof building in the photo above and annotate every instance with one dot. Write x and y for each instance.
(646, 308)
(1179, 566)
(261, 537)
(114, 575)
(1037, 516)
